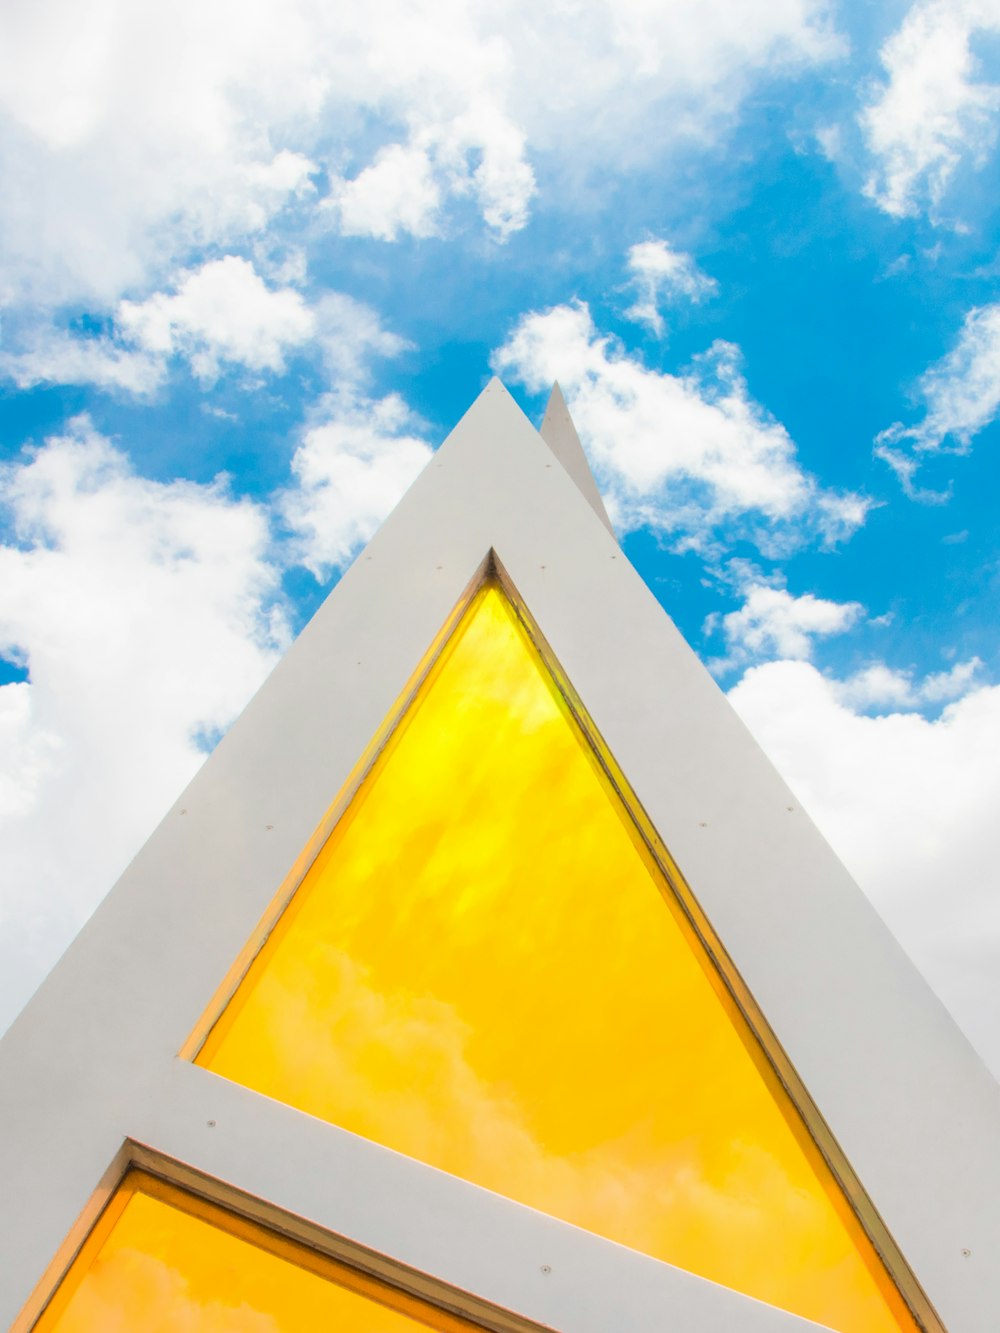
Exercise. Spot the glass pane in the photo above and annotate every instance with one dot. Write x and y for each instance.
(481, 970)
(163, 1261)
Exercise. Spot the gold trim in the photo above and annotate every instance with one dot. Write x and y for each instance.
(65, 1256)
(778, 1064)
(140, 1168)
(383, 737)
(807, 1122)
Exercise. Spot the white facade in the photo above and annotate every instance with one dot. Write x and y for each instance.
(91, 1077)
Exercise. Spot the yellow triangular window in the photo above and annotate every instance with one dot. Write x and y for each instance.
(485, 970)
(161, 1260)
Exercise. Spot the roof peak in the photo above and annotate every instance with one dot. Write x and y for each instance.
(559, 433)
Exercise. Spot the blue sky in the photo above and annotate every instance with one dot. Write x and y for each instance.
(258, 259)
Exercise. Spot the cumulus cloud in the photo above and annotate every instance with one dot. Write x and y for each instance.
(774, 623)
(146, 613)
(397, 193)
(909, 803)
(932, 113)
(219, 316)
(352, 466)
(682, 454)
(404, 190)
(46, 354)
(880, 687)
(349, 336)
(161, 133)
(31, 751)
(961, 393)
(663, 276)
(222, 311)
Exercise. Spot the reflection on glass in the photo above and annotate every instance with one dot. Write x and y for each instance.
(482, 971)
(162, 1261)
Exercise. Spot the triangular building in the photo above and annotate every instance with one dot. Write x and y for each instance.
(488, 977)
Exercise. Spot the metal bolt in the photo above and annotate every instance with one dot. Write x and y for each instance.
(966, 1254)
(211, 1124)
(546, 1269)
(269, 827)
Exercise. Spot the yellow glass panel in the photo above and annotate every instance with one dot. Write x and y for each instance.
(482, 970)
(160, 1260)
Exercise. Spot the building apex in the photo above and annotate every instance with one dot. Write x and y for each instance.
(559, 433)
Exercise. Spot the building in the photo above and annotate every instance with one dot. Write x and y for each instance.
(487, 976)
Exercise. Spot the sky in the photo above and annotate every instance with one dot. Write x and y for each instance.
(256, 260)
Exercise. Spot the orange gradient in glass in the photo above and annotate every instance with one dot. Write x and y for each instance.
(161, 1260)
(483, 970)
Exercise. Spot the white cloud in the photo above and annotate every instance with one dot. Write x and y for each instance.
(962, 391)
(682, 454)
(397, 193)
(222, 311)
(218, 316)
(910, 805)
(933, 113)
(663, 276)
(144, 135)
(879, 686)
(45, 354)
(906, 466)
(772, 622)
(479, 153)
(145, 613)
(349, 335)
(350, 469)
(961, 395)
(30, 751)
(503, 181)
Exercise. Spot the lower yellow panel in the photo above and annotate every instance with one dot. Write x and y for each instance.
(483, 970)
(162, 1261)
